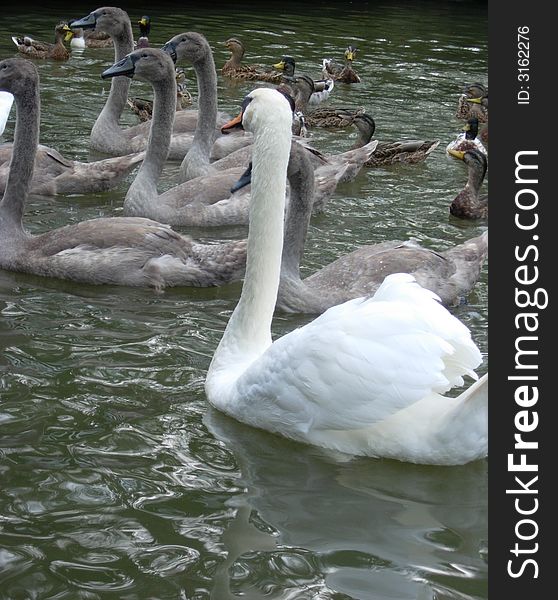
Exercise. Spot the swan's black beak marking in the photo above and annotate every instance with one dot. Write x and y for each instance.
(244, 180)
(170, 49)
(88, 22)
(236, 122)
(126, 66)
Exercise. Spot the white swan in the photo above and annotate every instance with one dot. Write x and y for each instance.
(367, 376)
(106, 134)
(118, 250)
(6, 101)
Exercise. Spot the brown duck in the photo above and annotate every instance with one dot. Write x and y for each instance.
(234, 68)
(35, 49)
(388, 153)
(144, 108)
(468, 204)
(97, 39)
(483, 103)
(469, 139)
(318, 91)
(466, 110)
(341, 72)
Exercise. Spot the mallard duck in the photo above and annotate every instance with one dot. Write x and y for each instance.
(301, 88)
(468, 204)
(145, 27)
(78, 39)
(87, 38)
(468, 139)
(321, 88)
(97, 39)
(388, 153)
(368, 376)
(35, 49)
(144, 108)
(483, 103)
(465, 110)
(343, 73)
(235, 70)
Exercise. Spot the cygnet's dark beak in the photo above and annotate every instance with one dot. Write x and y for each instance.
(88, 22)
(170, 49)
(126, 66)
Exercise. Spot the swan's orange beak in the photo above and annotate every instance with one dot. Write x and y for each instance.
(235, 123)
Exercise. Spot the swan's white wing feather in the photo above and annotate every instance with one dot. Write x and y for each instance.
(358, 363)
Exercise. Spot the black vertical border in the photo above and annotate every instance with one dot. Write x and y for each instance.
(514, 128)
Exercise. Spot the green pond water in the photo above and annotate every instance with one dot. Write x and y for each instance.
(117, 480)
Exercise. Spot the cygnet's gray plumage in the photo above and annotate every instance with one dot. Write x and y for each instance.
(451, 274)
(118, 250)
(206, 200)
(194, 48)
(54, 174)
(106, 134)
(346, 164)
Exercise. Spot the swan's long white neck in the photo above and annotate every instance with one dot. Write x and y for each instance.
(106, 128)
(143, 189)
(248, 332)
(26, 140)
(196, 162)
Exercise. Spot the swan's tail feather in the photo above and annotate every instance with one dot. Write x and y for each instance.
(465, 426)
(476, 393)
(355, 158)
